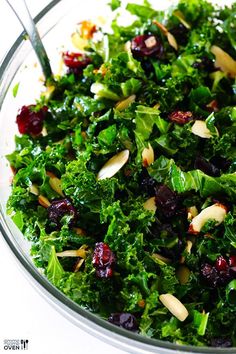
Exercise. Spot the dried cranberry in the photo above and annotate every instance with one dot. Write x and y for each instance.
(210, 275)
(180, 117)
(125, 320)
(166, 200)
(29, 121)
(76, 62)
(220, 162)
(205, 166)
(221, 342)
(103, 260)
(232, 261)
(221, 264)
(58, 209)
(146, 45)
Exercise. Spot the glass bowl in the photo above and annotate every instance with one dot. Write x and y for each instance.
(20, 69)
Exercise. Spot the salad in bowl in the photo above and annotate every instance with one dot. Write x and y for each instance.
(125, 172)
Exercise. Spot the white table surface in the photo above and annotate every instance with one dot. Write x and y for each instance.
(24, 314)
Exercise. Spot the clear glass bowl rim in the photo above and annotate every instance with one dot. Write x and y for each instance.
(92, 323)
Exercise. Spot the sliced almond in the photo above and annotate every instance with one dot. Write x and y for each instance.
(150, 42)
(81, 252)
(215, 212)
(150, 204)
(55, 184)
(78, 265)
(127, 46)
(163, 29)
(44, 131)
(148, 156)
(183, 274)
(72, 253)
(199, 128)
(113, 165)
(120, 106)
(43, 201)
(189, 246)
(192, 212)
(224, 61)
(161, 259)
(172, 41)
(181, 18)
(174, 306)
(157, 106)
(34, 189)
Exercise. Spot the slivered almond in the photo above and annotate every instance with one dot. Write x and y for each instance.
(78, 265)
(199, 128)
(55, 184)
(73, 253)
(171, 39)
(120, 106)
(161, 26)
(127, 46)
(43, 201)
(181, 18)
(150, 204)
(148, 156)
(113, 165)
(34, 189)
(81, 252)
(161, 258)
(189, 246)
(192, 212)
(215, 212)
(174, 306)
(44, 131)
(224, 61)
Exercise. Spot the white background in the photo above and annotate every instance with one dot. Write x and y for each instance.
(24, 314)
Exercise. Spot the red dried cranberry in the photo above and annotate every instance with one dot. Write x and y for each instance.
(180, 117)
(103, 260)
(76, 61)
(221, 342)
(125, 320)
(207, 167)
(58, 209)
(210, 275)
(166, 200)
(29, 121)
(221, 162)
(221, 264)
(146, 45)
(232, 261)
